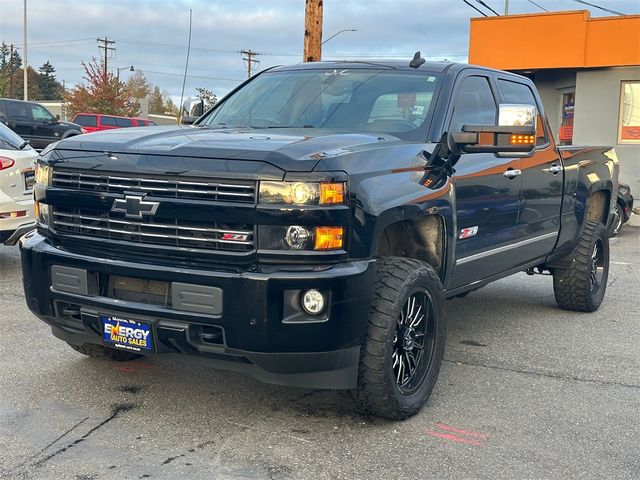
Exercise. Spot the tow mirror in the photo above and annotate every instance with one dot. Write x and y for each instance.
(514, 136)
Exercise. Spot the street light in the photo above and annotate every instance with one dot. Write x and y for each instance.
(338, 33)
(131, 69)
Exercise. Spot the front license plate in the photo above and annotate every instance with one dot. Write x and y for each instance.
(29, 179)
(126, 334)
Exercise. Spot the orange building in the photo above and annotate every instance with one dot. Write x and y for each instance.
(587, 71)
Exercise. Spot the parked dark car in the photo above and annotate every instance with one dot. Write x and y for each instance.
(308, 228)
(622, 209)
(34, 123)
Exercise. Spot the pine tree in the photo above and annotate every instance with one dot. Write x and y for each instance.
(50, 88)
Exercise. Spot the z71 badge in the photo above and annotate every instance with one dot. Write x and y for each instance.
(468, 232)
(126, 334)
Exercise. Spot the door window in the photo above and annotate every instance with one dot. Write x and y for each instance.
(86, 120)
(108, 121)
(124, 122)
(41, 114)
(474, 104)
(17, 111)
(514, 92)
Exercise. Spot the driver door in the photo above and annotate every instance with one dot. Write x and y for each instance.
(487, 191)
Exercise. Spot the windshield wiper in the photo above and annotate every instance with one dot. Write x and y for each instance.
(24, 144)
(288, 126)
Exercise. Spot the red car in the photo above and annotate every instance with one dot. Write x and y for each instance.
(94, 122)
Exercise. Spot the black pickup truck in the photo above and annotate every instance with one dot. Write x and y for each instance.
(308, 228)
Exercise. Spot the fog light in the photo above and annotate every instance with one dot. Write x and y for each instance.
(296, 237)
(313, 302)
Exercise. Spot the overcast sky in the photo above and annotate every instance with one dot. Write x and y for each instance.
(152, 35)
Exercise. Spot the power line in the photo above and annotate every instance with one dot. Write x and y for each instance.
(599, 7)
(249, 60)
(537, 5)
(487, 6)
(475, 8)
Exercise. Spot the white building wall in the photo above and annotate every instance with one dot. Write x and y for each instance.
(597, 115)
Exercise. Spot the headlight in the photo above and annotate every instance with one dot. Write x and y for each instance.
(296, 237)
(302, 193)
(41, 211)
(43, 174)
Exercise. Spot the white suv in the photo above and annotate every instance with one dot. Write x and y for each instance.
(16, 185)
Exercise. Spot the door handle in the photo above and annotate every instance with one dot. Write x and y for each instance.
(512, 173)
(555, 169)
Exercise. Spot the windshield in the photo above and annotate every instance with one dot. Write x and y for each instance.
(348, 100)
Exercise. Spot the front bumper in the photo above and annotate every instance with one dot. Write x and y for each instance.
(254, 332)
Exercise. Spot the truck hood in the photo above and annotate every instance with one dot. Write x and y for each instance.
(287, 149)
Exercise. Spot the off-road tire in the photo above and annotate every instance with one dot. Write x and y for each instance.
(572, 284)
(378, 392)
(104, 353)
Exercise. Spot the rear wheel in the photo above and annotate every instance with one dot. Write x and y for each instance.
(582, 283)
(404, 344)
(618, 220)
(105, 353)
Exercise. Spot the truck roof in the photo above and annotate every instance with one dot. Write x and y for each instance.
(439, 67)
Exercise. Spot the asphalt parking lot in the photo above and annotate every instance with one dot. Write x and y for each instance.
(527, 391)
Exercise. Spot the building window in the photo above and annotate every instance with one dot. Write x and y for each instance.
(565, 135)
(630, 113)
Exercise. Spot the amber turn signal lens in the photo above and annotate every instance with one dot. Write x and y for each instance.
(328, 238)
(331, 193)
(522, 139)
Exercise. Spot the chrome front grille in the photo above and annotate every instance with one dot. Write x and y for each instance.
(158, 186)
(152, 230)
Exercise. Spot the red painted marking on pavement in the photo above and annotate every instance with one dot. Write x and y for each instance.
(442, 426)
(454, 438)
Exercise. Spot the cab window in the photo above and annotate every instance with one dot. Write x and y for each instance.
(474, 104)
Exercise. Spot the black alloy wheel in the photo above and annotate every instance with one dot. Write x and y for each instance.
(413, 342)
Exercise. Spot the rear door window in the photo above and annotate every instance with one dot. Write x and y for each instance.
(17, 110)
(107, 121)
(124, 122)
(514, 92)
(86, 120)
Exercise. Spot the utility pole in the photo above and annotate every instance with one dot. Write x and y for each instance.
(11, 71)
(105, 45)
(312, 31)
(249, 60)
(506, 7)
(25, 64)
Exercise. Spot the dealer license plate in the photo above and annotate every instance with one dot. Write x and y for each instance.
(126, 334)
(29, 179)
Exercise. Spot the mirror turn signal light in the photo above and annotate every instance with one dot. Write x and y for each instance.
(331, 193)
(328, 238)
(522, 139)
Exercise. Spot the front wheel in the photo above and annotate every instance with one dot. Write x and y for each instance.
(581, 284)
(404, 344)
